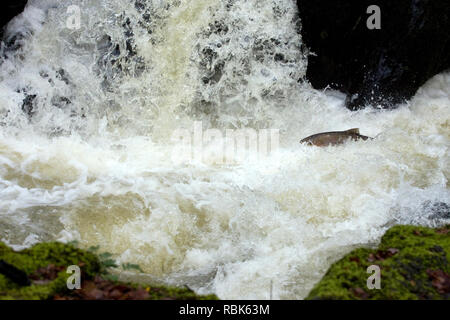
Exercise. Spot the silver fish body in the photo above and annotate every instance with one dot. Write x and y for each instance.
(333, 138)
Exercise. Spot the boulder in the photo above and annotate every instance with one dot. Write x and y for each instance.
(412, 264)
(10, 9)
(382, 66)
(40, 273)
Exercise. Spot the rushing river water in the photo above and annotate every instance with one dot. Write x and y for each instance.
(87, 122)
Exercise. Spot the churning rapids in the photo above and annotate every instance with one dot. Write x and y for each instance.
(87, 118)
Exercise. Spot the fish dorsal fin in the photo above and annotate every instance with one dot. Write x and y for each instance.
(354, 131)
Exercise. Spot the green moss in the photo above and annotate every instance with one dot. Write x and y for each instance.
(61, 256)
(35, 292)
(40, 256)
(407, 257)
(43, 254)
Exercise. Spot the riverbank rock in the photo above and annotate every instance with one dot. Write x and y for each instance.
(414, 264)
(45, 267)
(381, 67)
(10, 9)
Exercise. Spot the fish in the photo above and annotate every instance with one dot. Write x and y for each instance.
(333, 138)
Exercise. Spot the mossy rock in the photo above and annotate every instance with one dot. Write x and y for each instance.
(414, 264)
(46, 264)
(41, 256)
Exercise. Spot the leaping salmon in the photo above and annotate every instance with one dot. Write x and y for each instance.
(333, 138)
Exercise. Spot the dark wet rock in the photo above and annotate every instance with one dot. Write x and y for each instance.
(10, 9)
(14, 42)
(379, 67)
(121, 58)
(14, 274)
(28, 104)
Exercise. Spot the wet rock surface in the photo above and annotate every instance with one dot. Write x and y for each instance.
(10, 9)
(375, 66)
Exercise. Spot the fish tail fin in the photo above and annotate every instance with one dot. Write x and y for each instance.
(354, 131)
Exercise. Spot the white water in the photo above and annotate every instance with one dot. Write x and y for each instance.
(100, 169)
